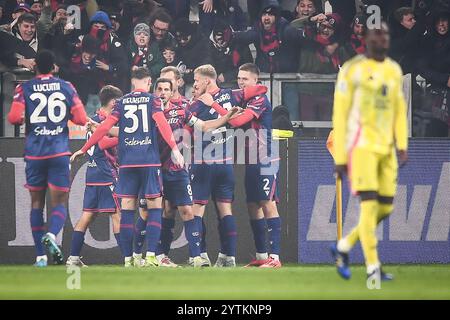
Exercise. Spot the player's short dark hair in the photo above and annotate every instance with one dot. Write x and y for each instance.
(108, 93)
(172, 69)
(161, 15)
(27, 17)
(163, 80)
(45, 61)
(401, 12)
(250, 67)
(140, 73)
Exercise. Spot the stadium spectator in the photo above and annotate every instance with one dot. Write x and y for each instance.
(27, 44)
(115, 21)
(169, 52)
(328, 55)
(144, 52)
(36, 7)
(303, 11)
(134, 12)
(111, 57)
(434, 66)
(407, 34)
(346, 9)
(226, 58)
(19, 10)
(193, 48)
(356, 43)
(60, 35)
(160, 23)
(226, 10)
(274, 52)
(84, 73)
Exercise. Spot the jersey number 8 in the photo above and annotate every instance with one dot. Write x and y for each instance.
(54, 101)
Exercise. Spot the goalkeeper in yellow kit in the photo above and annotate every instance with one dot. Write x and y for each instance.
(370, 123)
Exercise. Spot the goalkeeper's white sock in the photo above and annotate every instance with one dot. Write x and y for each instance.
(44, 257)
(343, 246)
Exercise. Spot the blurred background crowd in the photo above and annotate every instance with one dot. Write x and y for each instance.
(98, 42)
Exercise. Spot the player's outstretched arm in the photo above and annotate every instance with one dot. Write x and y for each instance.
(101, 131)
(108, 142)
(16, 115)
(167, 135)
(210, 125)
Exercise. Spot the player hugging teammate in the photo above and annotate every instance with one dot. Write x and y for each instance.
(148, 161)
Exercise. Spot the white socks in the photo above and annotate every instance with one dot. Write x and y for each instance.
(343, 246)
(262, 256)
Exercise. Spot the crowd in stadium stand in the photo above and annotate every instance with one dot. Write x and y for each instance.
(117, 36)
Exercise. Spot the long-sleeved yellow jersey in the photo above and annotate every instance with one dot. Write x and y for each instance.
(369, 108)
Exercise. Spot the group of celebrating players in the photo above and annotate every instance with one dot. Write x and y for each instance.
(135, 161)
(370, 125)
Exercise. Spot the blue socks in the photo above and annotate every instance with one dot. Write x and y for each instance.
(193, 237)
(259, 234)
(166, 236)
(126, 232)
(153, 231)
(57, 219)
(202, 230)
(117, 236)
(230, 234)
(37, 229)
(222, 236)
(139, 234)
(274, 230)
(77, 243)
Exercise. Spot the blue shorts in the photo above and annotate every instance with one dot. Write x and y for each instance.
(261, 183)
(133, 180)
(215, 180)
(177, 188)
(99, 199)
(54, 173)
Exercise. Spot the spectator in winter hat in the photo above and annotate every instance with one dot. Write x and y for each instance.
(145, 52)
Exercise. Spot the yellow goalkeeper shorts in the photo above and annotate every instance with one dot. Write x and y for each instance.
(370, 171)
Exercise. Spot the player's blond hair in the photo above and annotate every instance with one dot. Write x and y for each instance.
(206, 70)
(175, 71)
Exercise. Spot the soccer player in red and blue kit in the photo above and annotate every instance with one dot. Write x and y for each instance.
(260, 176)
(168, 219)
(212, 174)
(139, 116)
(101, 178)
(46, 104)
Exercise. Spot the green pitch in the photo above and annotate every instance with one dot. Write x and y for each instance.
(289, 282)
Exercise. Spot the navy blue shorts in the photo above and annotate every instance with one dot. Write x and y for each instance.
(99, 199)
(261, 182)
(177, 188)
(132, 180)
(215, 180)
(54, 173)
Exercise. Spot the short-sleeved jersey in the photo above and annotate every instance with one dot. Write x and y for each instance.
(138, 137)
(369, 107)
(178, 117)
(258, 147)
(102, 166)
(48, 104)
(227, 98)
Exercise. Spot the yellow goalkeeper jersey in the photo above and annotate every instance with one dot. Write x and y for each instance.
(369, 108)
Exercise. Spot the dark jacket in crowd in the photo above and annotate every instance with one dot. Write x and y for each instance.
(194, 54)
(405, 45)
(434, 65)
(226, 57)
(276, 50)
